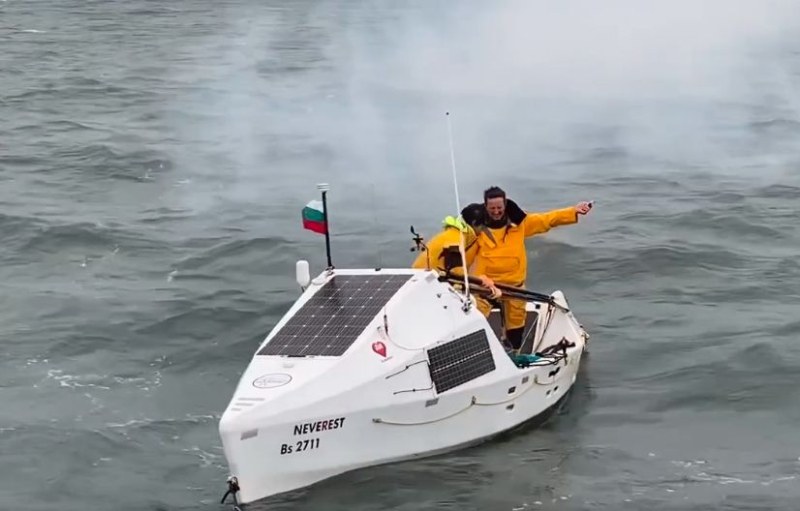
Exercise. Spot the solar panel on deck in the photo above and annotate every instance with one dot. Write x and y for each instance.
(459, 361)
(331, 320)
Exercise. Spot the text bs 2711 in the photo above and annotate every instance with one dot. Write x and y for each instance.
(300, 446)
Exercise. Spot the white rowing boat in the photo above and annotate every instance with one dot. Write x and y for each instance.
(372, 366)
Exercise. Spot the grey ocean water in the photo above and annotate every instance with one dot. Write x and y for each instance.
(154, 158)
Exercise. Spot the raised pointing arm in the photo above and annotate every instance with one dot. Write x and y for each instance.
(538, 223)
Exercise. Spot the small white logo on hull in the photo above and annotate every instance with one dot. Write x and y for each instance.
(270, 381)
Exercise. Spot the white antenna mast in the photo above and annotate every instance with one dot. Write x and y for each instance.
(458, 206)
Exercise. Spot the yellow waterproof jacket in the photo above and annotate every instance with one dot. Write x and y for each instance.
(449, 237)
(504, 258)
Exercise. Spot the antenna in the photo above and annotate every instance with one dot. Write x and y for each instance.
(458, 206)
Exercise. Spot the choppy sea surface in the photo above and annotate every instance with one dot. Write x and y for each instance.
(155, 156)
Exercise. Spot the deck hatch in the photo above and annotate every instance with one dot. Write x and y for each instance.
(331, 320)
(460, 360)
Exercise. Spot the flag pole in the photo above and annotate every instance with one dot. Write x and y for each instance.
(323, 187)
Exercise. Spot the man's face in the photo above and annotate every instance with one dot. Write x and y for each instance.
(496, 207)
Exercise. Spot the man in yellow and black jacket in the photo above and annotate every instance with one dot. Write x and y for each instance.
(433, 257)
(501, 252)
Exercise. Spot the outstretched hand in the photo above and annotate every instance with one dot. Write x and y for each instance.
(583, 208)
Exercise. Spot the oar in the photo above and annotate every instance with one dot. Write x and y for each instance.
(511, 291)
(517, 290)
(478, 288)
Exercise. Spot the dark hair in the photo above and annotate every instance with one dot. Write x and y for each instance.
(493, 192)
(473, 214)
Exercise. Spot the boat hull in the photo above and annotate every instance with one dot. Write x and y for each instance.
(296, 421)
(310, 448)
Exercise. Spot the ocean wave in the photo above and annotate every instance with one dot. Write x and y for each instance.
(197, 323)
(52, 127)
(775, 124)
(165, 425)
(778, 191)
(76, 88)
(164, 214)
(57, 126)
(235, 299)
(741, 225)
(222, 253)
(15, 225)
(56, 237)
(665, 260)
(84, 442)
(76, 339)
(39, 236)
(638, 184)
(744, 220)
(95, 155)
(728, 293)
(740, 381)
(788, 329)
(554, 263)
(154, 11)
(144, 379)
(24, 161)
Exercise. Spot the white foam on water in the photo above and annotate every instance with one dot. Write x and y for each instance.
(778, 480)
(207, 458)
(76, 381)
(128, 424)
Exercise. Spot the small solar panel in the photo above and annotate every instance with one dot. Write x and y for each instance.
(331, 320)
(459, 361)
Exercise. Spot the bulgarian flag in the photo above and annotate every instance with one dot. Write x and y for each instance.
(314, 217)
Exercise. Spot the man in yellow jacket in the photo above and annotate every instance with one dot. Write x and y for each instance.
(502, 256)
(433, 257)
